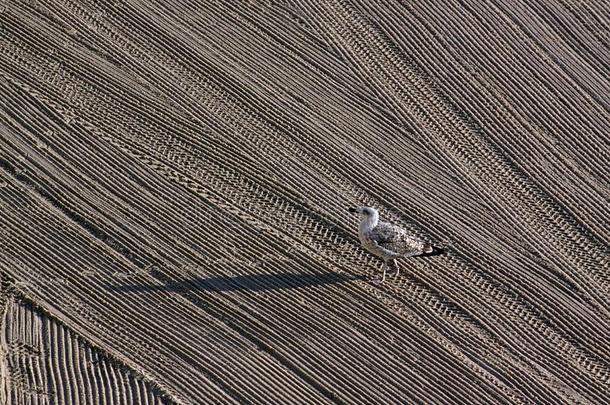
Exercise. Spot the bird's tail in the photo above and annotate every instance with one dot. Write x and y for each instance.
(430, 250)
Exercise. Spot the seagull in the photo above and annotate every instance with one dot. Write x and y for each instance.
(388, 241)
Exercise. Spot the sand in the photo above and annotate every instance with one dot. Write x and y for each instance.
(174, 185)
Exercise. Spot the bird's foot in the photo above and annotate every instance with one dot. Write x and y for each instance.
(377, 280)
(394, 274)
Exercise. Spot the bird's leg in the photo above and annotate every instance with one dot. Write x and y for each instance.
(377, 279)
(396, 267)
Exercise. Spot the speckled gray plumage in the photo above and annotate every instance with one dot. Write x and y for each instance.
(387, 241)
(396, 241)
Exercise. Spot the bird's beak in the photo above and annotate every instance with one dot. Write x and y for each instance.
(352, 210)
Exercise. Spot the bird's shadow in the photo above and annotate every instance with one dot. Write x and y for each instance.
(253, 282)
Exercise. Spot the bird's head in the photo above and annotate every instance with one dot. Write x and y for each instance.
(364, 212)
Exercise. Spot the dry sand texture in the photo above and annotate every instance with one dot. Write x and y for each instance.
(174, 178)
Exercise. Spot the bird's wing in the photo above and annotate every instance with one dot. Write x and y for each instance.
(396, 240)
